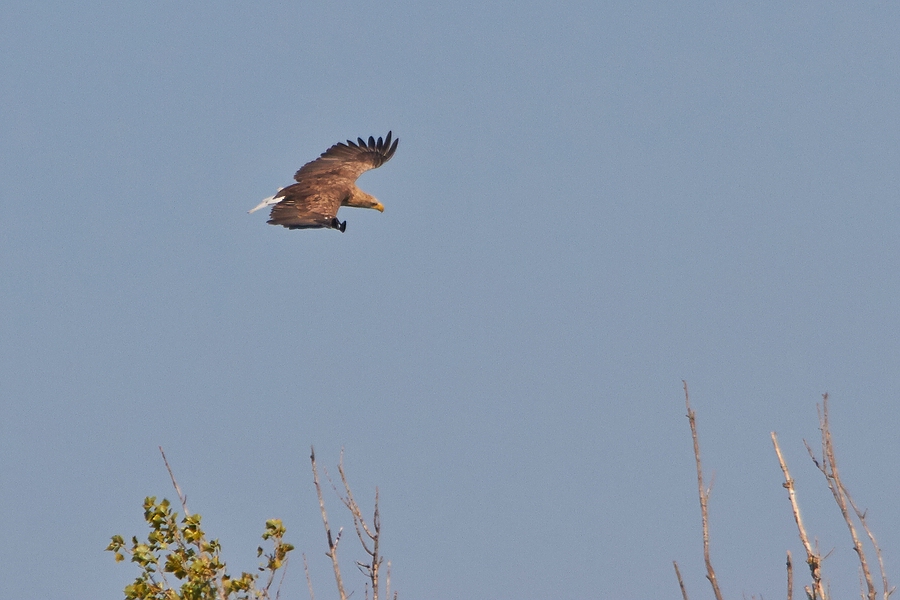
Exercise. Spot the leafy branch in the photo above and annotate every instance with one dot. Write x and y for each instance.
(179, 548)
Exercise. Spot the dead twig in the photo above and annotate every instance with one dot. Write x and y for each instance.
(387, 583)
(181, 496)
(861, 515)
(790, 577)
(813, 559)
(312, 596)
(704, 493)
(280, 581)
(684, 595)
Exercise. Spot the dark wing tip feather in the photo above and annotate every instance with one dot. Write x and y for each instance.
(393, 148)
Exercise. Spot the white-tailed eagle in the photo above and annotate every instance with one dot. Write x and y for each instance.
(328, 183)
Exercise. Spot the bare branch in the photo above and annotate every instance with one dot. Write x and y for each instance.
(790, 577)
(704, 496)
(387, 583)
(312, 596)
(280, 581)
(358, 521)
(861, 515)
(828, 467)
(684, 595)
(813, 559)
(181, 496)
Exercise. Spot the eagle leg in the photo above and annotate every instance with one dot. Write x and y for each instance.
(336, 224)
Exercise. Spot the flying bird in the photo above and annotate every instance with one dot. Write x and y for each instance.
(328, 183)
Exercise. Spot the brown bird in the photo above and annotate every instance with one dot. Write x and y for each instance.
(328, 183)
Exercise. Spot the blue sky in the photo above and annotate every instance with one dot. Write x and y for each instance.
(590, 202)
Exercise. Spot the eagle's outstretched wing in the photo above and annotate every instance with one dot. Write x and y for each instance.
(342, 164)
(326, 183)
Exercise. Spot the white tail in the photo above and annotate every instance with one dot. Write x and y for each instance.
(266, 202)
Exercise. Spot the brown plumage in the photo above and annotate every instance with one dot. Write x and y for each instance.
(328, 183)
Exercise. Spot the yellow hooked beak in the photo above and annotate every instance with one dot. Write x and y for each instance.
(379, 207)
